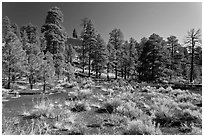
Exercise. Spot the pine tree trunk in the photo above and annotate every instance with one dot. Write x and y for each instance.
(152, 77)
(121, 72)
(116, 72)
(9, 79)
(96, 73)
(30, 81)
(125, 72)
(44, 83)
(83, 58)
(172, 53)
(192, 61)
(89, 66)
(108, 71)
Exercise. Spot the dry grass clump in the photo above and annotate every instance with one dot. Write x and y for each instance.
(140, 127)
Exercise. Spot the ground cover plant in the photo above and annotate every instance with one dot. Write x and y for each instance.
(86, 110)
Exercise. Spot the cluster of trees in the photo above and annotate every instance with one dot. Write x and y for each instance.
(39, 57)
(47, 55)
(151, 59)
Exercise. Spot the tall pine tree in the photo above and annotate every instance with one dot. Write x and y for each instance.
(116, 40)
(55, 37)
(89, 41)
(99, 56)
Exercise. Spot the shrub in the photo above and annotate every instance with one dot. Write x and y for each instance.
(130, 110)
(43, 108)
(139, 127)
(112, 105)
(38, 127)
(109, 106)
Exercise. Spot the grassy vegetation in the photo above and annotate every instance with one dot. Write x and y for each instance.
(111, 108)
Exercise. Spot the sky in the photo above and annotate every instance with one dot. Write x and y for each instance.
(135, 19)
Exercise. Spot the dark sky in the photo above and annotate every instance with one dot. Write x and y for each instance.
(134, 19)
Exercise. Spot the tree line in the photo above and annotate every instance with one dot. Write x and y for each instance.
(46, 56)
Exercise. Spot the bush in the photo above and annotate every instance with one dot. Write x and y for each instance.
(139, 127)
(43, 108)
(129, 109)
(109, 106)
(38, 127)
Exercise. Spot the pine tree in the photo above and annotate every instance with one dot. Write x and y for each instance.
(55, 37)
(193, 39)
(54, 33)
(34, 63)
(31, 44)
(6, 27)
(173, 44)
(29, 33)
(13, 56)
(110, 58)
(89, 41)
(59, 64)
(16, 30)
(151, 59)
(116, 40)
(124, 59)
(132, 57)
(99, 56)
(70, 53)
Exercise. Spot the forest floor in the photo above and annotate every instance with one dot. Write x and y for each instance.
(105, 108)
